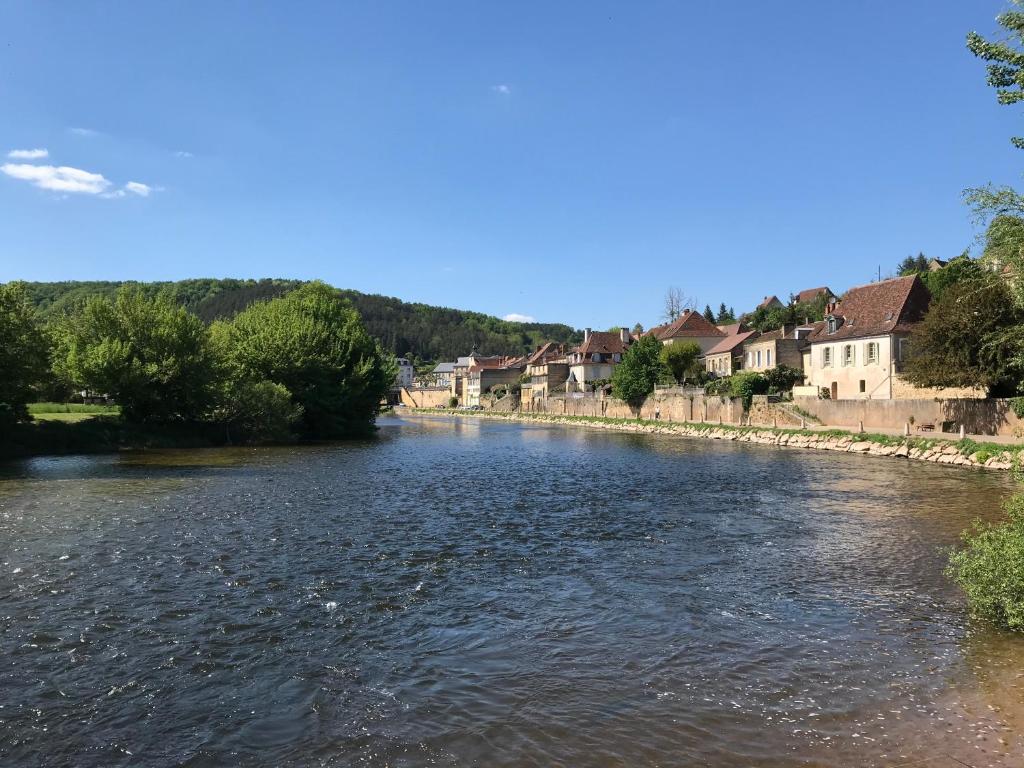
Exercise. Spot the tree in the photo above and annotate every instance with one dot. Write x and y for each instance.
(681, 359)
(637, 330)
(151, 355)
(725, 316)
(313, 343)
(641, 368)
(708, 314)
(675, 302)
(962, 340)
(782, 378)
(1006, 60)
(23, 352)
(913, 265)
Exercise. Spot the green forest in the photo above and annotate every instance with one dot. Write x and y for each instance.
(421, 331)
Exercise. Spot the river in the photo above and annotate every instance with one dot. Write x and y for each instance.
(479, 593)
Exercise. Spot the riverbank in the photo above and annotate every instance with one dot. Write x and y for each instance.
(102, 434)
(961, 453)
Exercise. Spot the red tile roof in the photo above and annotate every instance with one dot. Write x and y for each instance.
(732, 328)
(547, 352)
(603, 343)
(729, 343)
(769, 301)
(810, 294)
(690, 324)
(877, 309)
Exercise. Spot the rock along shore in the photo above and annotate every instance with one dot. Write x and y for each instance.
(965, 453)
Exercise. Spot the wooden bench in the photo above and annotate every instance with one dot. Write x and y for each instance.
(926, 428)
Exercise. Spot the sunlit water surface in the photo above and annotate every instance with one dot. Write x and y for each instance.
(459, 593)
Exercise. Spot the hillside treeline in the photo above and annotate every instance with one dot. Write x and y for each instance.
(419, 330)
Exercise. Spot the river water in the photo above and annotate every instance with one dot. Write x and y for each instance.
(472, 593)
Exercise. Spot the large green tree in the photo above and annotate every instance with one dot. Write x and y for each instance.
(23, 352)
(681, 359)
(641, 368)
(962, 341)
(151, 355)
(313, 343)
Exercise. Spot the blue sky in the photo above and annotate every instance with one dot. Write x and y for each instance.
(564, 161)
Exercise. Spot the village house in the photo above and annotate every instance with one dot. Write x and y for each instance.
(405, 374)
(783, 346)
(811, 295)
(860, 347)
(442, 374)
(482, 377)
(726, 357)
(546, 371)
(689, 326)
(596, 358)
(770, 302)
(460, 369)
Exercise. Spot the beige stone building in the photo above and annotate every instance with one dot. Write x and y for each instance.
(783, 346)
(689, 326)
(596, 358)
(726, 357)
(860, 347)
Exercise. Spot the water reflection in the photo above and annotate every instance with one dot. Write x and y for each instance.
(470, 592)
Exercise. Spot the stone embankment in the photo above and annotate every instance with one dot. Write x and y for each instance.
(964, 453)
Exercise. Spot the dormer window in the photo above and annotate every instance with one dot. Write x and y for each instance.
(832, 323)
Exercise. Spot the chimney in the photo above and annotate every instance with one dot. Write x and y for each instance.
(624, 335)
(586, 335)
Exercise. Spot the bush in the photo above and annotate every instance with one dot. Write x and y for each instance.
(782, 378)
(1017, 404)
(259, 412)
(990, 568)
(453, 402)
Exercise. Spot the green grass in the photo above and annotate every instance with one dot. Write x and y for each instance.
(70, 412)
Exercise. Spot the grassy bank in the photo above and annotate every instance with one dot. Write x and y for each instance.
(978, 453)
(98, 433)
(70, 412)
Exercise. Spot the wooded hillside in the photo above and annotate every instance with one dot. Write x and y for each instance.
(428, 332)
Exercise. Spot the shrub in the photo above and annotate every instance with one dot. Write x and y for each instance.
(453, 402)
(990, 568)
(781, 378)
(746, 384)
(259, 412)
(1017, 404)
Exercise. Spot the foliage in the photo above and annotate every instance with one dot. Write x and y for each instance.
(1006, 59)
(149, 354)
(405, 329)
(958, 270)
(312, 342)
(641, 368)
(1017, 404)
(725, 316)
(743, 384)
(453, 402)
(23, 352)
(257, 411)
(681, 359)
(962, 340)
(990, 568)
(709, 315)
(912, 265)
(782, 378)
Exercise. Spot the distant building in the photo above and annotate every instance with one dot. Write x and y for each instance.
(771, 302)
(689, 326)
(810, 295)
(406, 373)
(442, 374)
(726, 357)
(596, 358)
(783, 346)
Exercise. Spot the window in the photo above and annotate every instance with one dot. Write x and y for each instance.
(750, 359)
(826, 357)
(872, 352)
(848, 354)
(759, 358)
(863, 387)
(617, 357)
(832, 324)
(768, 358)
(596, 357)
(902, 350)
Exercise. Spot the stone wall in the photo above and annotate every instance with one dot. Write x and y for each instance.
(904, 390)
(979, 417)
(427, 397)
(666, 406)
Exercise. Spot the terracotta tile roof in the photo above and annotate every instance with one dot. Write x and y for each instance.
(810, 294)
(732, 328)
(877, 309)
(546, 353)
(690, 324)
(769, 301)
(603, 343)
(729, 343)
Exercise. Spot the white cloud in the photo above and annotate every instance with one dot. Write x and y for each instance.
(57, 178)
(28, 154)
(515, 317)
(84, 132)
(502, 88)
(183, 153)
(138, 188)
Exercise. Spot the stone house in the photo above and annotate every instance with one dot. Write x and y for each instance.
(485, 375)
(783, 346)
(689, 326)
(810, 295)
(596, 358)
(860, 347)
(726, 357)
(546, 370)
(770, 302)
